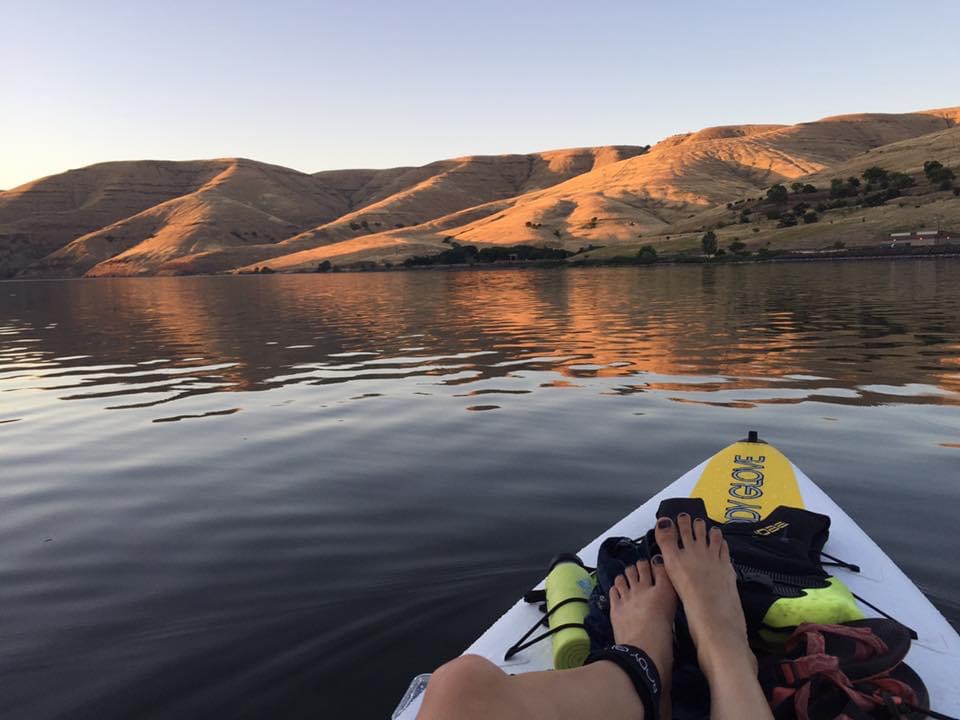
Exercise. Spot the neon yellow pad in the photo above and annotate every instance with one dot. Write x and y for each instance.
(571, 646)
(832, 604)
(746, 482)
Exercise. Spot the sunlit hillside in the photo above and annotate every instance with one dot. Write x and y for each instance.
(153, 217)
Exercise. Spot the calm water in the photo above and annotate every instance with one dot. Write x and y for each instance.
(284, 496)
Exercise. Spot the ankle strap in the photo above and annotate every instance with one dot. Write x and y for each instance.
(642, 672)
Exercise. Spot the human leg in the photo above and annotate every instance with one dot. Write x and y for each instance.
(642, 606)
(706, 583)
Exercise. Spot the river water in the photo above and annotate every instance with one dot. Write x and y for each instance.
(284, 496)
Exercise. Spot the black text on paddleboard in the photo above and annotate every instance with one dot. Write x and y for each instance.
(746, 485)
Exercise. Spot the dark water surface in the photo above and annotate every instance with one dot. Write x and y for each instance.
(284, 496)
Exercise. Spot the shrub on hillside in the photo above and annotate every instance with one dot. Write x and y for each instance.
(709, 243)
(844, 188)
(810, 217)
(875, 174)
(900, 180)
(777, 194)
(647, 255)
(938, 174)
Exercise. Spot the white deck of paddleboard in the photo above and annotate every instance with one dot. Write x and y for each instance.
(935, 656)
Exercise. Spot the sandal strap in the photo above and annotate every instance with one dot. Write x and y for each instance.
(867, 642)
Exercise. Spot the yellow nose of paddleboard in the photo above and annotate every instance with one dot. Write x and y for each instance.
(568, 579)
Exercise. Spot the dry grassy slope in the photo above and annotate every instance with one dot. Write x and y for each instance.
(433, 191)
(686, 174)
(214, 204)
(921, 207)
(647, 197)
(210, 216)
(41, 216)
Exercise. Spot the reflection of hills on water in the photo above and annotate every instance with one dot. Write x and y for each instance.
(853, 333)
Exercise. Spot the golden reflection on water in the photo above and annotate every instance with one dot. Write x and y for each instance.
(890, 331)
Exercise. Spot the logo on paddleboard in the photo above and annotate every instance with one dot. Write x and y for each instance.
(746, 485)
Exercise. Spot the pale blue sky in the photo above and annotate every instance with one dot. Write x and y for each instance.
(356, 83)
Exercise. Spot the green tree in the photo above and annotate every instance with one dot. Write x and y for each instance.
(875, 174)
(324, 266)
(647, 255)
(938, 174)
(900, 180)
(778, 194)
(810, 217)
(709, 243)
(931, 168)
(797, 187)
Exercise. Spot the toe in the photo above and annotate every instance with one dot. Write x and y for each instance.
(643, 574)
(631, 574)
(615, 596)
(686, 529)
(716, 539)
(666, 534)
(700, 531)
(621, 584)
(724, 551)
(658, 570)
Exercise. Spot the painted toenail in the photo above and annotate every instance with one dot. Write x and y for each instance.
(664, 523)
(683, 515)
(657, 560)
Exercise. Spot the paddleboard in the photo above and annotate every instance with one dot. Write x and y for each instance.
(746, 481)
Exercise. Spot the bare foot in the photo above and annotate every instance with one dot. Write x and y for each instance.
(642, 606)
(706, 582)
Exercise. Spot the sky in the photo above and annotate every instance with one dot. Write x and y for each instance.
(323, 85)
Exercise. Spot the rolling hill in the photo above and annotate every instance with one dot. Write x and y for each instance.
(158, 217)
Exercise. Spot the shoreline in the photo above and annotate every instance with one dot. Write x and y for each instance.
(949, 252)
